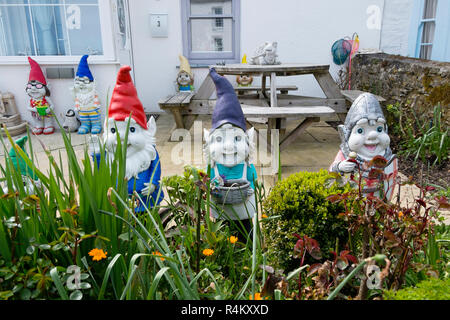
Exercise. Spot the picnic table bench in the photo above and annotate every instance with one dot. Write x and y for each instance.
(258, 89)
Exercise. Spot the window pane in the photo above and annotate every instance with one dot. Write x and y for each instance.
(207, 37)
(211, 7)
(429, 10)
(50, 27)
(428, 32)
(425, 52)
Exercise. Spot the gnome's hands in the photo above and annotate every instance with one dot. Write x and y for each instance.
(347, 166)
(94, 145)
(149, 189)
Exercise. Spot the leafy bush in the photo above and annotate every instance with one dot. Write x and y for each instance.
(431, 289)
(431, 143)
(298, 205)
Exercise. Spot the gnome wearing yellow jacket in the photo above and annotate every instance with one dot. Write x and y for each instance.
(185, 78)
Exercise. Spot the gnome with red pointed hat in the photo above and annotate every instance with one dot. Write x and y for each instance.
(143, 168)
(41, 106)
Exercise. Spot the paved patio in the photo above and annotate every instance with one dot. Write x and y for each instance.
(314, 150)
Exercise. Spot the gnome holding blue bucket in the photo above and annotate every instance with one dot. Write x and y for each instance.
(87, 103)
(228, 149)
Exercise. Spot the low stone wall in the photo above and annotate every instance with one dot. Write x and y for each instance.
(420, 84)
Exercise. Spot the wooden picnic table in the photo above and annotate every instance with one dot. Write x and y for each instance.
(267, 103)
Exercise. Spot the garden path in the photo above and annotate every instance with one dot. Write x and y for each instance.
(312, 151)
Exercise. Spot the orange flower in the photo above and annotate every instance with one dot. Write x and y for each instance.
(97, 254)
(400, 214)
(264, 216)
(257, 296)
(208, 252)
(233, 239)
(157, 253)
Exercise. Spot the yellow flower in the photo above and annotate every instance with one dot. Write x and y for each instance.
(257, 296)
(208, 252)
(157, 253)
(233, 239)
(97, 254)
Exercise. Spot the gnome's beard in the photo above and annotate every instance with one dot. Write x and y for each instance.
(140, 149)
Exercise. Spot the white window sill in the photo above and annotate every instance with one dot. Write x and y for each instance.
(49, 61)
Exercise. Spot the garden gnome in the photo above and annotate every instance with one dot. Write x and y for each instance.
(185, 78)
(143, 168)
(228, 150)
(29, 178)
(244, 80)
(41, 106)
(87, 103)
(364, 135)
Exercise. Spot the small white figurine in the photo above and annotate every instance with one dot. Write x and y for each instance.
(143, 167)
(265, 54)
(87, 103)
(228, 149)
(41, 106)
(71, 122)
(364, 135)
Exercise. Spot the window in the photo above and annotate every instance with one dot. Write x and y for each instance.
(52, 28)
(211, 31)
(429, 36)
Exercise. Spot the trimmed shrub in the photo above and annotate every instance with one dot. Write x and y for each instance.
(431, 289)
(300, 202)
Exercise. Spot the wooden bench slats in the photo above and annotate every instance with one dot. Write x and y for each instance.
(257, 88)
(176, 100)
(287, 112)
(352, 95)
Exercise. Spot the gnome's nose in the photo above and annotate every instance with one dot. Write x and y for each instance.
(373, 135)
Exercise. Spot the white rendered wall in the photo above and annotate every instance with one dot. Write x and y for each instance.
(396, 26)
(305, 31)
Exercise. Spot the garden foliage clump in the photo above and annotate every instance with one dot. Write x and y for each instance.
(431, 289)
(298, 205)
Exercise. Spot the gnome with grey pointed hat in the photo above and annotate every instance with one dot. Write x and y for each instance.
(364, 136)
(228, 150)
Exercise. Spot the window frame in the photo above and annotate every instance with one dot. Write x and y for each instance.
(109, 56)
(209, 58)
(441, 43)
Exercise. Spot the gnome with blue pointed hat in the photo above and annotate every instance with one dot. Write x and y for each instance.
(87, 103)
(228, 149)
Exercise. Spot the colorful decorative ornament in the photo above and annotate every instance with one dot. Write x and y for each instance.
(364, 136)
(228, 150)
(143, 167)
(87, 103)
(185, 77)
(41, 107)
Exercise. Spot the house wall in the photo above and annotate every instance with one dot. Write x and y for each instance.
(396, 26)
(305, 31)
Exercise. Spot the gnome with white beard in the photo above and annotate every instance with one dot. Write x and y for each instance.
(143, 167)
(228, 149)
(87, 103)
(364, 136)
(41, 107)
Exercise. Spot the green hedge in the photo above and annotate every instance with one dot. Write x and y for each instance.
(431, 289)
(300, 201)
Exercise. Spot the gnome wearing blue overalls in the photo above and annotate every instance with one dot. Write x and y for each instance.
(228, 148)
(87, 103)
